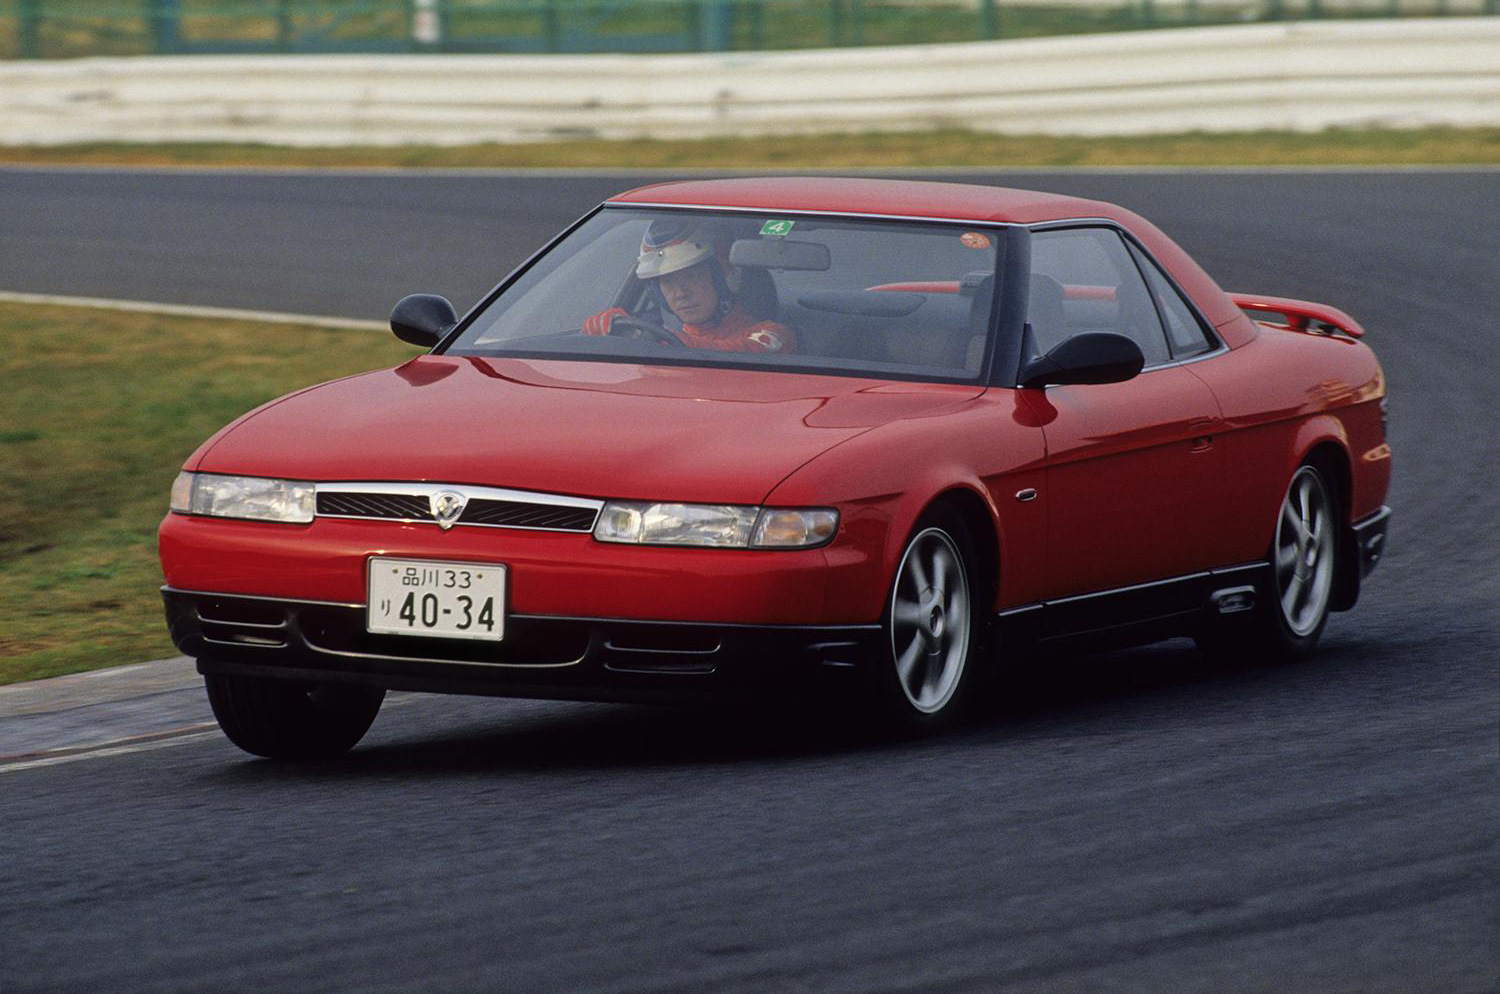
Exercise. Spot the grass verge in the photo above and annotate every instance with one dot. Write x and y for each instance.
(97, 413)
(1337, 147)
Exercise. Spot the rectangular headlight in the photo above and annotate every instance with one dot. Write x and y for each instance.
(253, 497)
(722, 525)
(725, 526)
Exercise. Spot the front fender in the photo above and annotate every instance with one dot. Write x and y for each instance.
(882, 481)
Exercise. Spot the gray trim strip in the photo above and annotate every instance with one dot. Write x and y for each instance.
(803, 212)
(1222, 571)
(168, 589)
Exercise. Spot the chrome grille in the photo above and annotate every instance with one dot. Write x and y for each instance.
(486, 506)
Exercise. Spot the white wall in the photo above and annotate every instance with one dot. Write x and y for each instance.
(1302, 76)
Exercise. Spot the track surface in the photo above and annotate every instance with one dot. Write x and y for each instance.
(1130, 822)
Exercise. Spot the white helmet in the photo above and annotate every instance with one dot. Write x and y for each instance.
(672, 245)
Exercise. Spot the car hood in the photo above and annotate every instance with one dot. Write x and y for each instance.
(598, 429)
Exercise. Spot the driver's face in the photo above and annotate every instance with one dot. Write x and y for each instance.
(691, 294)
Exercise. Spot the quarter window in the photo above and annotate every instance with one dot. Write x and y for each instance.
(1084, 279)
(1185, 333)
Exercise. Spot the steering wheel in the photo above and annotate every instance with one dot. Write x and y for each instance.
(624, 324)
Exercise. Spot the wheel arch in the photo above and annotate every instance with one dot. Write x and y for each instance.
(979, 517)
(1333, 460)
(1327, 449)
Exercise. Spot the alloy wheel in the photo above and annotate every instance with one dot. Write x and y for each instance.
(930, 620)
(1305, 552)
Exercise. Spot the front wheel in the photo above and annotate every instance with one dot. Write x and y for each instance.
(290, 719)
(930, 625)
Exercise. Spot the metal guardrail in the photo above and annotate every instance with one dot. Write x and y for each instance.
(71, 28)
(1408, 73)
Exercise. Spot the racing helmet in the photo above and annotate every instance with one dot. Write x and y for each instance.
(672, 245)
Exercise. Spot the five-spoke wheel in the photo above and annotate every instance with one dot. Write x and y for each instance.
(930, 623)
(1304, 551)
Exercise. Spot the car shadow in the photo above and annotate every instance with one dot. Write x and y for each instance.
(1069, 695)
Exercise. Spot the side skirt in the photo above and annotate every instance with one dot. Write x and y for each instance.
(1136, 615)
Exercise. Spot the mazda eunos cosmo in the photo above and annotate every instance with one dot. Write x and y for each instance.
(796, 437)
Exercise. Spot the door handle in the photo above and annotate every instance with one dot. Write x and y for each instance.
(1202, 443)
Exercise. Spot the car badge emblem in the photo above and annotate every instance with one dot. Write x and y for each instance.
(447, 507)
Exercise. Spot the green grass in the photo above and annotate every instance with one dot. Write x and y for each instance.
(98, 410)
(1335, 147)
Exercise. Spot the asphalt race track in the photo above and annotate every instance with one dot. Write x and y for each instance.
(1129, 822)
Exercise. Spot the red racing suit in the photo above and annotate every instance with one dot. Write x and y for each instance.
(734, 332)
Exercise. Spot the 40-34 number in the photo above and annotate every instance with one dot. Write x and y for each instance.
(426, 609)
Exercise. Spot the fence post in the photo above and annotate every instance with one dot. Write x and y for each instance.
(165, 18)
(551, 29)
(28, 45)
(284, 25)
(989, 19)
(716, 25)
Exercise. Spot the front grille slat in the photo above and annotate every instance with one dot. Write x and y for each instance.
(488, 511)
(375, 505)
(516, 514)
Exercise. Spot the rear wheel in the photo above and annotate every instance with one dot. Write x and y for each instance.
(290, 719)
(930, 625)
(1304, 565)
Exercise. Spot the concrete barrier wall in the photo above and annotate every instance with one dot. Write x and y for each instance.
(1299, 76)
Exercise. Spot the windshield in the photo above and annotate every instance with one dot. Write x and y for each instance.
(908, 300)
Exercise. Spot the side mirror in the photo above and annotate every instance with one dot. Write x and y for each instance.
(422, 319)
(1093, 357)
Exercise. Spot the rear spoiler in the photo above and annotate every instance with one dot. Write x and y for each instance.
(1301, 315)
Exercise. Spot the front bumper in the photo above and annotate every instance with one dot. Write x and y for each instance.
(550, 657)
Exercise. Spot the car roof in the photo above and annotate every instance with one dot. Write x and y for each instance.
(904, 198)
(946, 201)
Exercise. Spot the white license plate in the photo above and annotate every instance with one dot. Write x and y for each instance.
(436, 598)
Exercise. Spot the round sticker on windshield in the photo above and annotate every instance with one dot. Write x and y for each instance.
(974, 239)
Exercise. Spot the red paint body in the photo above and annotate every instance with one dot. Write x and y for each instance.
(1181, 468)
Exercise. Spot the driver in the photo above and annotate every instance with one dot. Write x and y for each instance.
(686, 264)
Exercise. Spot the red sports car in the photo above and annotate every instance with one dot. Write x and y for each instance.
(789, 436)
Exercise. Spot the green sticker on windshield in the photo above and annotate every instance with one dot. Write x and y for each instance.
(777, 228)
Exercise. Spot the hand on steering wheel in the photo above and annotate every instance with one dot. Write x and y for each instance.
(638, 328)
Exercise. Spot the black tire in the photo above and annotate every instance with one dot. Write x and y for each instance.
(934, 688)
(1291, 613)
(290, 719)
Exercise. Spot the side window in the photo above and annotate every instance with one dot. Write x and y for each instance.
(1185, 334)
(1084, 279)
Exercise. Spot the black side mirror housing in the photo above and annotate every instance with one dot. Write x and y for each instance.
(1093, 357)
(423, 319)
